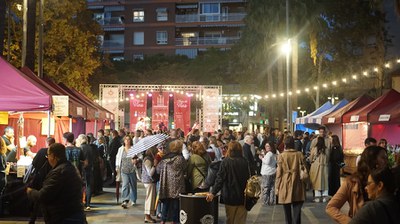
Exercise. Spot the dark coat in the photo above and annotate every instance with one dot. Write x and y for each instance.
(336, 159)
(382, 210)
(61, 194)
(231, 180)
(248, 155)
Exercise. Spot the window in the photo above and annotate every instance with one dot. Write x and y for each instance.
(138, 56)
(138, 38)
(162, 37)
(162, 14)
(209, 8)
(138, 15)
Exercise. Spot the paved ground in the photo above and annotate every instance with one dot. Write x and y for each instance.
(106, 210)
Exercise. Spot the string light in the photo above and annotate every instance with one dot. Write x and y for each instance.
(334, 83)
(365, 73)
(325, 85)
(344, 80)
(376, 69)
(354, 77)
(387, 65)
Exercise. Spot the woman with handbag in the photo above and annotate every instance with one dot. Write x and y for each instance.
(198, 167)
(231, 181)
(149, 179)
(289, 186)
(126, 167)
(319, 158)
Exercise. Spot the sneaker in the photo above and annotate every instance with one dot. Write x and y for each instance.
(87, 208)
(324, 200)
(317, 200)
(132, 203)
(124, 204)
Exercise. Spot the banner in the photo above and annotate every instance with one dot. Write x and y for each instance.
(354, 135)
(211, 110)
(60, 104)
(160, 110)
(110, 99)
(182, 112)
(138, 109)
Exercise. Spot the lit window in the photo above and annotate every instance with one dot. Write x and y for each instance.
(162, 37)
(138, 15)
(138, 38)
(162, 14)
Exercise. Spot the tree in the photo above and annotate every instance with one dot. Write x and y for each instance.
(71, 48)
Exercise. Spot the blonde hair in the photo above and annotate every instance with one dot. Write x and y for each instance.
(176, 146)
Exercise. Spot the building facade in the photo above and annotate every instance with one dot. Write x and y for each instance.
(135, 28)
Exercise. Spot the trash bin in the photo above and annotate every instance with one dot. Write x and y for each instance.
(195, 209)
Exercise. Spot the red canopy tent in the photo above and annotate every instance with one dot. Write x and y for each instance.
(18, 93)
(97, 116)
(385, 123)
(333, 121)
(355, 126)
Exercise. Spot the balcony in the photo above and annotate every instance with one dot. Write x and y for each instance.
(191, 18)
(110, 21)
(206, 41)
(112, 46)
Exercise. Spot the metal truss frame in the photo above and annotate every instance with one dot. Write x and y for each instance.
(195, 89)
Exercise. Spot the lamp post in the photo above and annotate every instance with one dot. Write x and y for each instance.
(288, 48)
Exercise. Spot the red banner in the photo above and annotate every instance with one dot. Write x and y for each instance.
(138, 106)
(182, 112)
(160, 110)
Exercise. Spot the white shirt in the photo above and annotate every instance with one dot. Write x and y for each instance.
(268, 166)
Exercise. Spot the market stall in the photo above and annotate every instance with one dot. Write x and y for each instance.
(301, 121)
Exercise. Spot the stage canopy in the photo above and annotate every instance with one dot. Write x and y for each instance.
(18, 93)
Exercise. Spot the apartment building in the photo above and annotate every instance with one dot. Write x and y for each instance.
(134, 28)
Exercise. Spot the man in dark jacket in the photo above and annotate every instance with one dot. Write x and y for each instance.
(41, 169)
(113, 150)
(82, 141)
(61, 200)
(248, 154)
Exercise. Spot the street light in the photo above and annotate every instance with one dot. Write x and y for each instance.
(287, 49)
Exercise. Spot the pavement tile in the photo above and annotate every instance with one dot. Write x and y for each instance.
(105, 209)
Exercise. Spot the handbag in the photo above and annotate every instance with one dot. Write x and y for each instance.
(303, 171)
(252, 191)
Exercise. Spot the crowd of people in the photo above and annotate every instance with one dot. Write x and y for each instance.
(289, 164)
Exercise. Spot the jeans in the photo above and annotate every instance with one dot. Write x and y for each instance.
(88, 190)
(170, 210)
(129, 187)
(268, 188)
(293, 212)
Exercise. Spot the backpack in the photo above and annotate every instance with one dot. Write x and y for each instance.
(73, 156)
